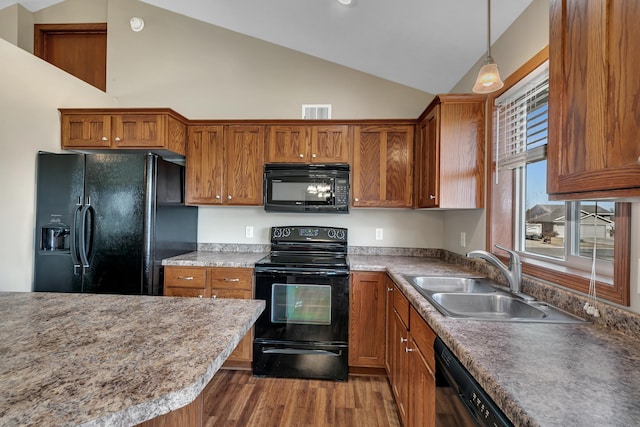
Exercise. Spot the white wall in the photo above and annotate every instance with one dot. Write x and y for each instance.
(204, 71)
(31, 91)
(401, 227)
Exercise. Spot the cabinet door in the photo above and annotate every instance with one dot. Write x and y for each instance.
(388, 352)
(288, 144)
(400, 369)
(367, 320)
(594, 114)
(330, 144)
(428, 161)
(421, 389)
(203, 183)
(139, 130)
(244, 163)
(86, 131)
(383, 166)
(235, 283)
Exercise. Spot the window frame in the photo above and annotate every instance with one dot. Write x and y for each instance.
(500, 219)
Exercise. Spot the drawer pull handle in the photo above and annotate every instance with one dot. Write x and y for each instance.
(185, 277)
(230, 280)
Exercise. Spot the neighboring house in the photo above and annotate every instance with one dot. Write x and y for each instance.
(550, 219)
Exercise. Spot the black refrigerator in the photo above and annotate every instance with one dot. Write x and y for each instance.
(104, 222)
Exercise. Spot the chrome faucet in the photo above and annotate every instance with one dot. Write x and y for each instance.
(513, 272)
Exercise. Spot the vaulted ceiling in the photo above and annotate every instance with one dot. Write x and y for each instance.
(424, 44)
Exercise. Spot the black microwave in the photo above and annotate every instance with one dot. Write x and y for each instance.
(306, 188)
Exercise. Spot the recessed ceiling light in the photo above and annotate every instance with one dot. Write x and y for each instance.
(345, 2)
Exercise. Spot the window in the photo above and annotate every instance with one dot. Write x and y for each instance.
(556, 239)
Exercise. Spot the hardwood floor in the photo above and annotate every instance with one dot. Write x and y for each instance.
(237, 398)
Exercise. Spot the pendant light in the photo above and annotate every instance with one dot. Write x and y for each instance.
(488, 77)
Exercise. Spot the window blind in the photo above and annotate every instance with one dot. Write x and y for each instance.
(521, 125)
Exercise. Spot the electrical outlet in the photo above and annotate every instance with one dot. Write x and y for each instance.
(378, 233)
(248, 232)
(463, 239)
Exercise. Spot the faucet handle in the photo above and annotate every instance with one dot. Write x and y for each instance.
(513, 255)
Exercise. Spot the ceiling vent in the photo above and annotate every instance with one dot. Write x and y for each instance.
(316, 111)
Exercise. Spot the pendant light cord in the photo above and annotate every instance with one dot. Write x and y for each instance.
(489, 59)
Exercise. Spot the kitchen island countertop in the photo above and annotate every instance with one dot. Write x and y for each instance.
(97, 360)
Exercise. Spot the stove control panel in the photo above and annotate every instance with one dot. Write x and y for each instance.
(308, 234)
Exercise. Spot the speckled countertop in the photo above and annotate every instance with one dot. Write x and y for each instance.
(216, 259)
(110, 360)
(538, 374)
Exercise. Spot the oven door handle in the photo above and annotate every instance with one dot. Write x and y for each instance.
(337, 353)
(313, 272)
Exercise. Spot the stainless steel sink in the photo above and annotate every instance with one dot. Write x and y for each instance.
(477, 298)
(494, 306)
(453, 284)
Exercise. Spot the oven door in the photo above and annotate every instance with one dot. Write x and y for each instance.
(303, 306)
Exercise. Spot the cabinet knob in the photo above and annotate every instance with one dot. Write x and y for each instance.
(432, 197)
(229, 197)
(389, 289)
(217, 196)
(409, 350)
(104, 138)
(301, 156)
(403, 339)
(214, 296)
(314, 156)
(199, 296)
(356, 199)
(117, 139)
(639, 160)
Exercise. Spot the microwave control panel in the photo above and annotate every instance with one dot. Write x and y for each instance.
(341, 191)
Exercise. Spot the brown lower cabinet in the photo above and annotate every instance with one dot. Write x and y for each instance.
(215, 282)
(367, 299)
(411, 368)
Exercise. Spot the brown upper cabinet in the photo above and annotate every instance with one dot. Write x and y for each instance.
(450, 153)
(308, 144)
(382, 173)
(160, 129)
(594, 114)
(224, 165)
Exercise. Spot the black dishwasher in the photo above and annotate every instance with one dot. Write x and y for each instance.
(460, 401)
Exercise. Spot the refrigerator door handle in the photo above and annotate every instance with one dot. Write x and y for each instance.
(74, 242)
(84, 253)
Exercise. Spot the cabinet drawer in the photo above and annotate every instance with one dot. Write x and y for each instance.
(185, 277)
(231, 278)
(423, 336)
(401, 306)
(183, 292)
(231, 293)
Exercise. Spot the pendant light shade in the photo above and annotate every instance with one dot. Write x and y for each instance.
(488, 77)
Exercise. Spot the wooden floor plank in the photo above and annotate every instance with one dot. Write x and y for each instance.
(238, 399)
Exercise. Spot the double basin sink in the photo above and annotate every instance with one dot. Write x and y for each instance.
(477, 298)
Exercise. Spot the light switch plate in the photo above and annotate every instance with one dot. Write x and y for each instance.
(463, 239)
(248, 232)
